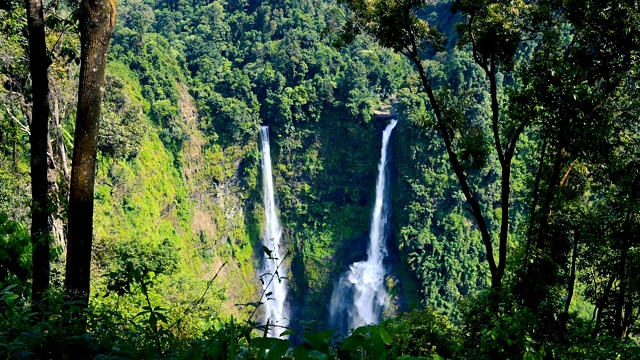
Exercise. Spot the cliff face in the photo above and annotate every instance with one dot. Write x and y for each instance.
(179, 191)
(196, 184)
(205, 77)
(197, 202)
(206, 201)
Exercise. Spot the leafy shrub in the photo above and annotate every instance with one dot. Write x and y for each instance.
(123, 124)
(422, 333)
(145, 261)
(15, 252)
(508, 331)
(174, 130)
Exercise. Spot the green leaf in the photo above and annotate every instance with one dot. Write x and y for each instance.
(320, 340)
(10, 298)
(266, 250)
(386, 338)
(278, 350)
(125, 349)
(162, 317)
(300, 353)
(141, 313)
(353, 342)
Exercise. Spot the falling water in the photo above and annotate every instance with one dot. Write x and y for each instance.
(360, 297)
(274, 284)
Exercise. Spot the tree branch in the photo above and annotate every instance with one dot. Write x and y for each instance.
(511, 147)
(495, 114)
(458, 169)
(22, 126)
(197, 302)
(472, 37)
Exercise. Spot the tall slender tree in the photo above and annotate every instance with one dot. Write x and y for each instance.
(97, 20)
(39, 130)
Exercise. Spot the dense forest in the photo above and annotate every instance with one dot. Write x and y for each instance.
(132, 220)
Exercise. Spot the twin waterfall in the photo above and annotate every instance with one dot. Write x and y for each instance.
(360, 297)
(274, 272)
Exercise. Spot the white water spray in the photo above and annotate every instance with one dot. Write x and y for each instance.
(360, 297)
(274, 284)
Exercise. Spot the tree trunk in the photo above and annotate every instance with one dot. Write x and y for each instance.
(572, 276)
(56, 218)
(534, 205)
(496, 274)
(572, 283)
(619, 326)
(550, 195)
(97, 19)
(601, 304)
(15, 154)
(39, 65)
(64, 164)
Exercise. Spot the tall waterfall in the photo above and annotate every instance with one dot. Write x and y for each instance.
(274, 284)
(360, 297)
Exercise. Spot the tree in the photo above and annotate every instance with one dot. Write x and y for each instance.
(97, 20)
(610, 250)
(563, 96)
(39, 131)
(494, 32)
(573, 93)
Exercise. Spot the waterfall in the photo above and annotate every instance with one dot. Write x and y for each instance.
(359, 297)
(274, 284)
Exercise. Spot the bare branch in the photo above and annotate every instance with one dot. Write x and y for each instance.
(22, 126)
(565, 177)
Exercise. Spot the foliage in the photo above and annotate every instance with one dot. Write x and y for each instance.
(513, 332)
(123, 126)
(421, 333)
(158, 332)
(134, 261)
(442, 250)
(13, 122)
(15, 253)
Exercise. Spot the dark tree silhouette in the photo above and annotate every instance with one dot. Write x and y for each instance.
(39, 130)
